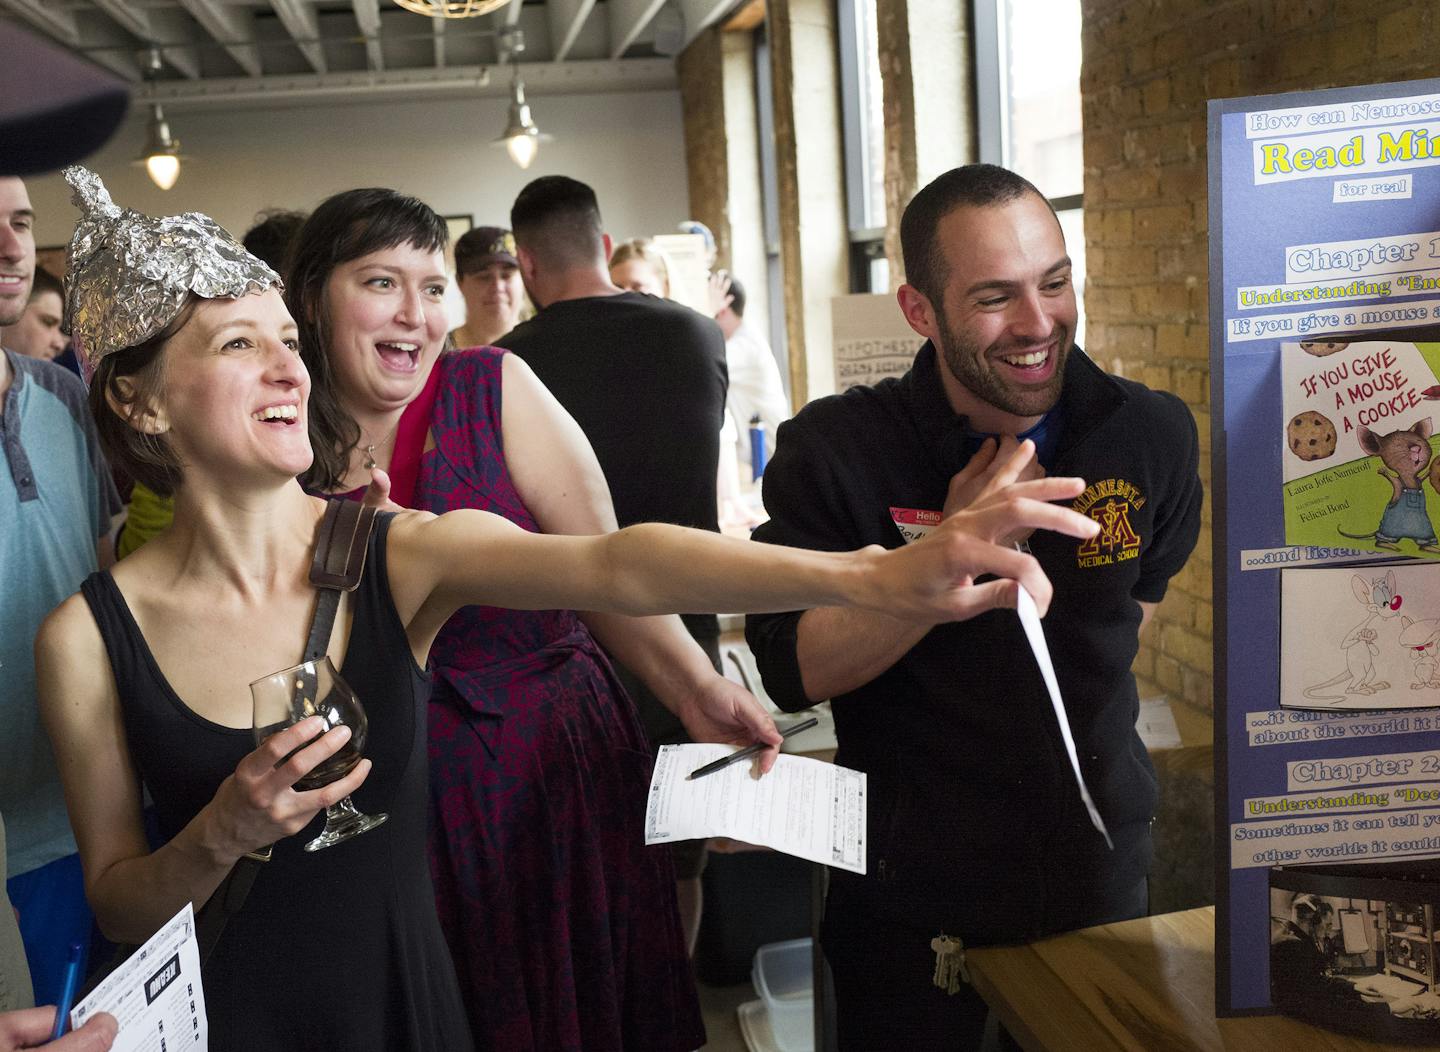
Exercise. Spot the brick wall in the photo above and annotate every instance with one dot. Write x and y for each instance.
(1149, 67)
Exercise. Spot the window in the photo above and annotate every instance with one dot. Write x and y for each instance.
(1027, 67)
(1040, 42)
(863, 116)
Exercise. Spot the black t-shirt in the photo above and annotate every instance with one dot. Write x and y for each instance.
(645, 379)
(976, 824)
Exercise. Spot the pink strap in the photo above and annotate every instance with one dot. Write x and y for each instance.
(410, 441)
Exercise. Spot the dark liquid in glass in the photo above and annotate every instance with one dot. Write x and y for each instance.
(338, 766)
(325, 772)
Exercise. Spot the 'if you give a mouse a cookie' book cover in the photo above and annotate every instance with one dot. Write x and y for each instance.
(1361, 429)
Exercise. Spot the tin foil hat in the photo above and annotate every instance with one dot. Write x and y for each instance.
(128, 274)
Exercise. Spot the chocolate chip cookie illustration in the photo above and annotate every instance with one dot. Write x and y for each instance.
(1311, 436)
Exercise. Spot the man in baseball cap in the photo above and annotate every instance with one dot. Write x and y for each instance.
(488, 276)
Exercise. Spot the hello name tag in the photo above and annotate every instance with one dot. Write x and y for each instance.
(914, 523)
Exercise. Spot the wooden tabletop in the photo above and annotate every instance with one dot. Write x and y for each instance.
(1138, 986)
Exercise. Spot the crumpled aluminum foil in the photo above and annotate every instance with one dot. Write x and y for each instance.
(128, 274)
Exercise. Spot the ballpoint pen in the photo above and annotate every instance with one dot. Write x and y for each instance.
(748, 751)
(67, 991)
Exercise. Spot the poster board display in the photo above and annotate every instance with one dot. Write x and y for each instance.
(1325, 356)
(872, 339)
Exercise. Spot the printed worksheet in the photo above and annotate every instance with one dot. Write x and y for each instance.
(155, 995)
(803, 807)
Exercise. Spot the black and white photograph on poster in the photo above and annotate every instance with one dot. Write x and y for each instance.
(1360, 638)
(1354, 948)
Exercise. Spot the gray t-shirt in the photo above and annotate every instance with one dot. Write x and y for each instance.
(56, 500)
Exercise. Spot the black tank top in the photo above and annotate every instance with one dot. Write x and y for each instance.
(340, 949)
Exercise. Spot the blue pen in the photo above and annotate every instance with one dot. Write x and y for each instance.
(67, 992)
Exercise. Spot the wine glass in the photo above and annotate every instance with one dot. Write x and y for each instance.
(314, 688)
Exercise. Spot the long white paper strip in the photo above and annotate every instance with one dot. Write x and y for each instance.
(1030, 621)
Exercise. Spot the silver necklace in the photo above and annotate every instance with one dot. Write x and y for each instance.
(370, 449)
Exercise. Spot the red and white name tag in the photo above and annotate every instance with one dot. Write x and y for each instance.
(914, 523)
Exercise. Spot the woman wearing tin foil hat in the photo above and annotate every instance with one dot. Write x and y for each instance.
(201, 391)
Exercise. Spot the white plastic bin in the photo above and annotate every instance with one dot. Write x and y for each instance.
(784, 978)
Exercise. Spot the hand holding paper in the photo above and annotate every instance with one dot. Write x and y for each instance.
(155, 996)
(31, 1028)
(722, 711)
(803, 807)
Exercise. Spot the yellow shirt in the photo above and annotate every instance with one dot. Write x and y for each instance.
(146, 516)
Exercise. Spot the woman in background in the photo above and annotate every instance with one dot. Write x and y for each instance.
(638, 266)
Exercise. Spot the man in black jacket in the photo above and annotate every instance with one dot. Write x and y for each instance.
(977, 831)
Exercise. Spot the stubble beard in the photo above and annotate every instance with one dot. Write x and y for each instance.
(7, 320)
(962, 356)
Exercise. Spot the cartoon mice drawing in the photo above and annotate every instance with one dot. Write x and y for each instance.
(1381, 600)
(1422, 638)
(1404, 456)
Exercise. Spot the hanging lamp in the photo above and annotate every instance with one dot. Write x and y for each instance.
(521, 138)
(453, 8)
(161, 153)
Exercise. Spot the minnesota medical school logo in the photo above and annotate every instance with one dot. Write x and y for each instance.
(1110, 503)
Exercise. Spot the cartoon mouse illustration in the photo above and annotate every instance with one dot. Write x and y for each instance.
(1404, 456)
(1381, 600)
(1422, 638)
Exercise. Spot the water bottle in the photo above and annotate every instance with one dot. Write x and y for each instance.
(757, 447)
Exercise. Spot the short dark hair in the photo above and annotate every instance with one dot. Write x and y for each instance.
(131, 378)
(737, 296)
(272, 235)
(973, 185)
(558, 220)
(344, 227)
(46, 282)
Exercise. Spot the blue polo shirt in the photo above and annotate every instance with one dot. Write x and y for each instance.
(56, 499)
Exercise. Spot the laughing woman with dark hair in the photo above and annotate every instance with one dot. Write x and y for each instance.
(562, 923)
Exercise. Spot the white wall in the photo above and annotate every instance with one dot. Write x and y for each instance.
(629, 147)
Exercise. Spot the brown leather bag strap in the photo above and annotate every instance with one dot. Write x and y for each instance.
(338, 564)
(340, 548)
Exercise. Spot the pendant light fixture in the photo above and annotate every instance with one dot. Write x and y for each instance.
(453, 8)
(161, 155)
(521, 137)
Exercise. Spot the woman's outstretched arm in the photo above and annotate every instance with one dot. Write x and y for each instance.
(438, 564)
